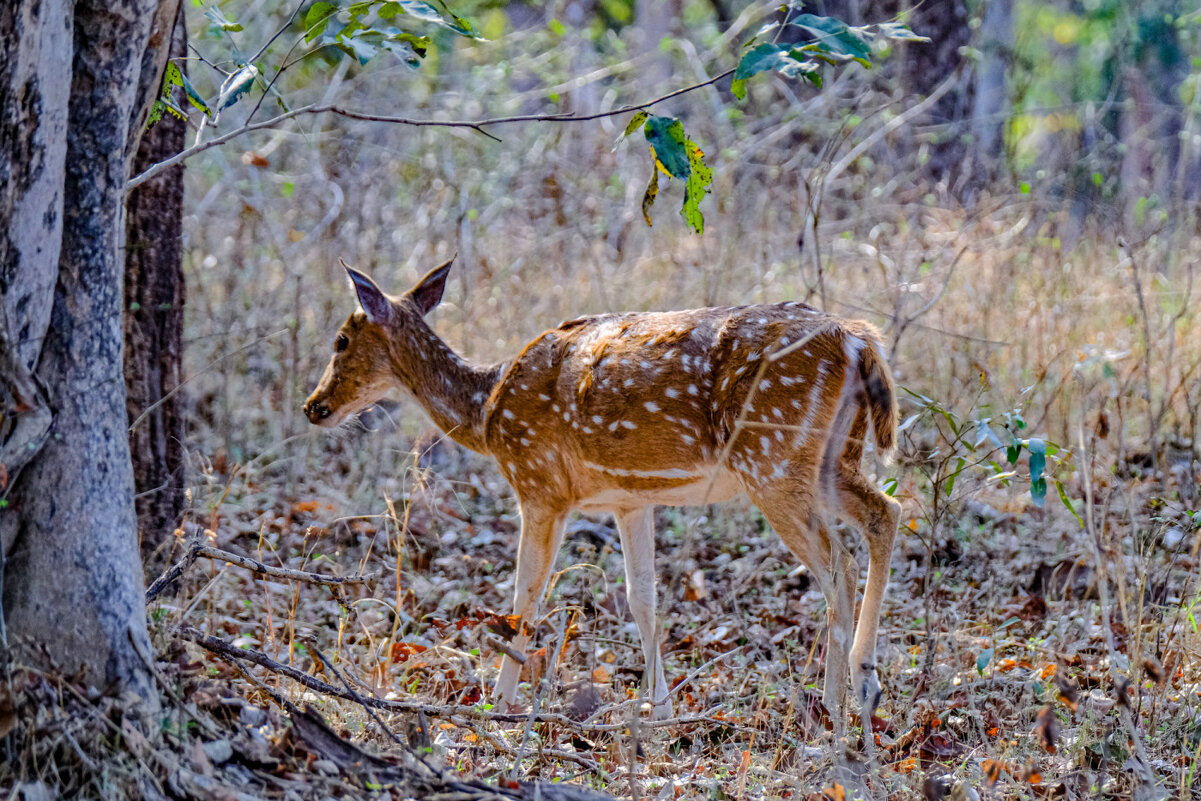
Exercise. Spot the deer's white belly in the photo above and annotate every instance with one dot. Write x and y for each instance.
(624, 488)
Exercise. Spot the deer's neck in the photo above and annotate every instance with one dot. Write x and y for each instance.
(452, 390)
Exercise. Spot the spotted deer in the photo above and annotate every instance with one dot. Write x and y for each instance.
(622, 412)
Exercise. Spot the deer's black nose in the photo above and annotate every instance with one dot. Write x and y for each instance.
(316, 411)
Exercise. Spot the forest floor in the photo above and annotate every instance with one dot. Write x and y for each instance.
(1014, 663)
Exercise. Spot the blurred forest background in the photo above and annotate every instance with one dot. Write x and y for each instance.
(1014, 204)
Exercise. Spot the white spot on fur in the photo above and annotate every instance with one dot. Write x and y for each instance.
(508, 414)
(671, 392)
(651, 406)
(692, 390)
(628, 424)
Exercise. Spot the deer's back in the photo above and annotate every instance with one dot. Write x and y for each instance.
(647, 403)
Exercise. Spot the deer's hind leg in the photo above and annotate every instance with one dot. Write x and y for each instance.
(876, 515)
(790, 508)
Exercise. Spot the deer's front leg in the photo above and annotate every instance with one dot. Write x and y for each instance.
(541, 536)
(637, 530)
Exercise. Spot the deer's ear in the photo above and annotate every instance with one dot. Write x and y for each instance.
(428, 291)
(375, 304)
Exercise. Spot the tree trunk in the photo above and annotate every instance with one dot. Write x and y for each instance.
(922, 66)
(35, 80)
(154, 295)
(991, 107)
(73, 587)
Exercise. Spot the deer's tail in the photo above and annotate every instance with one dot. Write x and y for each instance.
(881, 397)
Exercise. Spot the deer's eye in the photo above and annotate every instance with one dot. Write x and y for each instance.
(341, 343)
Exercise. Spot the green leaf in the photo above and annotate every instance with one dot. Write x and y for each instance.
(156, 113)
(950, 482)
(1014, 450)
(427, 13)
(389, 10)
(1066, 501)
(784, 59)
(236, 85)
(317, 17)
(900, 32)
(983, 659)
(1038, 492)
(408, 47)
(1038, 466)
(987, 431)
(359, 47)
(287, 188)
(648, 197)
(635, 122)
(836, 38)
(220, 20)
(699, 179)
(1038, 458)
(193, 96)
(666, 138)
(738, 88)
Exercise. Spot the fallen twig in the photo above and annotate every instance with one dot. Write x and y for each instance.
(506, 649)
(256, 566)
(362, 701)
(223, 648)
(197, 548)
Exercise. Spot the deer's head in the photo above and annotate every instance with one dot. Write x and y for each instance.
(368, 358)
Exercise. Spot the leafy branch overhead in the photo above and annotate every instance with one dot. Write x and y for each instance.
(802, 45)
(363, 29)
(676, 156)
(360, 29)
(800, 48)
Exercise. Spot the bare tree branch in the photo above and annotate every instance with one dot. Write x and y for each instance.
(475, 125)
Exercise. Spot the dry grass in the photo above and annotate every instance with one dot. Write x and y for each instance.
(1011, 305)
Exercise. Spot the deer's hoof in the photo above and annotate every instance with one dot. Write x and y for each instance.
(867, 689)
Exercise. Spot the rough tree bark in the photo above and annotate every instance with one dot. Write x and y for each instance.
(72, 595)
(154, 296)
(35, 80)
